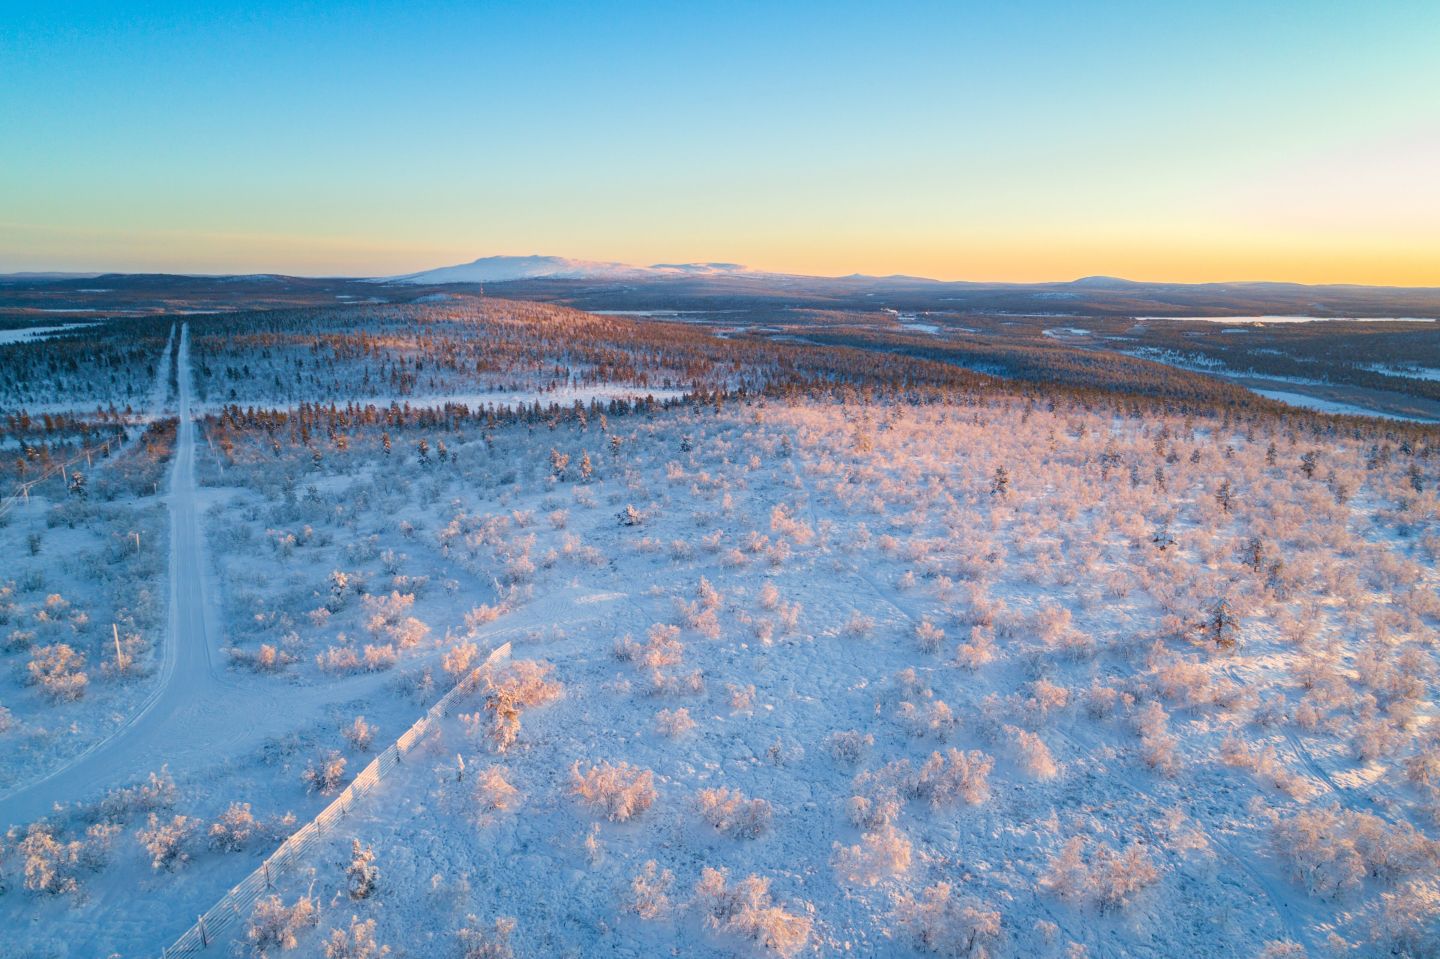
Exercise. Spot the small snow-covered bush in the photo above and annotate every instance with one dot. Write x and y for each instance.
(362, 875)
(620, 791)
(234, 829)
(325, 775)
(674, 723)
(1157, 743)
(745, 909)
(730, 812)
(938, 921)
(275, 926)
(360, 734)
(1408, 923)
(510, 691)
(849, 746)
(156, 792)
(650, 891)
(858, 626)
(458, 659)
(50, 863)
(953, 776)
(932, 718)
(979, 650)
(1331, 850)
(928, 636)
(741, 698)
(59, 671)
(481, 941)
(1105, 877)
(166, 841)
(879, 855)
(493, 792)
(357, 942)
(1033, 754)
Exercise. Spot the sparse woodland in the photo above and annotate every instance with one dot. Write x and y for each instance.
(840, 652)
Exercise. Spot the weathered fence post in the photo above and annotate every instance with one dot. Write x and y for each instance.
(204, 936)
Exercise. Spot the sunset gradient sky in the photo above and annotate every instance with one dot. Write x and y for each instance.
(988, 141)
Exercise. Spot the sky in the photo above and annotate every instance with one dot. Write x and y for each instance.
(1028, 140)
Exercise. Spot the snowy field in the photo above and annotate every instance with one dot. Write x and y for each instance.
(868, 671)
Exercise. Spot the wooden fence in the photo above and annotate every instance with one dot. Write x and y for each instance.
(215, 925)
(22, 489)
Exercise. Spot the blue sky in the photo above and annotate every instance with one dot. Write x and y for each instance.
(985, 141)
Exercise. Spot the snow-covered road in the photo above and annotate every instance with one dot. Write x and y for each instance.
(200, 712)
(188, 666)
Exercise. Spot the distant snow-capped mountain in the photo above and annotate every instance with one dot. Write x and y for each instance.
(498, 269)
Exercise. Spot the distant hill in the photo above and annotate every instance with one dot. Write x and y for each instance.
(501, 269)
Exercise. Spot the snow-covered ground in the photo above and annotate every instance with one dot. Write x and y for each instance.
(808, 675)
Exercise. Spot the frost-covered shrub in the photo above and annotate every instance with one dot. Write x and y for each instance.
(951, 777)
(513, 689)
(357, 942)
(938, 921)
(849, 746)
(1332, 849)
(979, 650)
(879, 855)
(165, 842)
(362, 875)
(479, 616)
(481, 941)
(674, 723)
(745, 909)
(388, 619)
(1103, 876)
(157, 792)
(931, 718)
(620, 791)
(858, 626)
(1408, 923)
(1157, 744)
(1045, 699)
(730, 812)
(928, 636)
(379, 657)
(360, 734)
(493, 792)
(1032, 753)
(650, 891)
(741, 698)
(234, 829)
(59, 671)
(458, 659)
(1102, 700)
(53, 864)
(325, 775)
(275, 926)
(1265, 763)
(873, 811)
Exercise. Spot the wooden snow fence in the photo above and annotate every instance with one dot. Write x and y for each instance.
(236, 905)
(22, 489)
